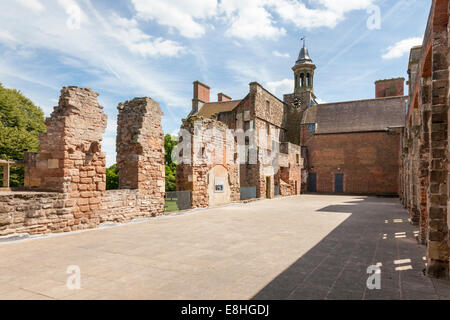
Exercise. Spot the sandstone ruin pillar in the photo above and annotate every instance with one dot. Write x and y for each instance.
(140, 149)
(425, 93)
(438, 253)
(70, 159)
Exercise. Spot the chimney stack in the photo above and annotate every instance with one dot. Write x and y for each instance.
(222, 97)
(201, 96)
(390, 88)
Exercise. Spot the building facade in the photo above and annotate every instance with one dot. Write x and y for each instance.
(283, 147)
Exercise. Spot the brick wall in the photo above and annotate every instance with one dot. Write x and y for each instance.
(390, 88)
(369, 161)
(201, 92)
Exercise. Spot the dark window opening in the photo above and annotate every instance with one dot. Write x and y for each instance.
(312, 128)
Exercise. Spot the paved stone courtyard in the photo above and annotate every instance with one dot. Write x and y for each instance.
(305, 247)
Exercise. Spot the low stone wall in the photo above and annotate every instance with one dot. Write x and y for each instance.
(50, 212)
(126, 205)
(34, 213)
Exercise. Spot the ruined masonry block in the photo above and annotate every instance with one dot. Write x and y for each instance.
(140, 148)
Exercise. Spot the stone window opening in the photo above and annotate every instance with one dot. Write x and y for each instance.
(297, 159)
(312, 128)
(246, 125)
(308, 80)
(302, 80)
(268, 107)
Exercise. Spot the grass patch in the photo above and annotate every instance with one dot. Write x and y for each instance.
(171, 205)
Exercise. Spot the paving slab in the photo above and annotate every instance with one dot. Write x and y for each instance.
(304, 247)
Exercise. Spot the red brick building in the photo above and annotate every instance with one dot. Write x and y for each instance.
(345, 147)
(348, 147)
(354, 147)
(268, 165)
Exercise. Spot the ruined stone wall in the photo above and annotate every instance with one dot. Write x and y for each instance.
(290, 170)
(140, 150)
(270, 127)
(438, 250)
(70, 158)
(426, 143)
(263, 118)
(35, 213)
(210, 146)
(72, 165)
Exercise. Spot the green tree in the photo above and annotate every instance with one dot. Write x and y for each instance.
(170, 143)
(21, 122)
(112, 178)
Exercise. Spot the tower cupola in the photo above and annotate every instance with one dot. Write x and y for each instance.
(304, 71)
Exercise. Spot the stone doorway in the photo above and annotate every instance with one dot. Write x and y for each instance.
(219, 187)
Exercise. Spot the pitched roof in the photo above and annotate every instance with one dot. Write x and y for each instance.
(212, 108)
(358, 116)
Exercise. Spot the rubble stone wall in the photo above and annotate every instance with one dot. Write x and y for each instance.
(210, 146)
(140, 148)
(68, 176)
(35, 213)
(425, 172)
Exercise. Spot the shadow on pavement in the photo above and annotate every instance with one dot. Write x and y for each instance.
(377, 232)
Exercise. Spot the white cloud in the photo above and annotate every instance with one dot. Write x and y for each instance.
(401, 48)
(255, 18)
(247, 19)
(6, 36)
(276, 53)
(328, 13)
(116, 65)
(33, 5)
(188, 17)
(280, 88)
(250, 19)
(127, 32)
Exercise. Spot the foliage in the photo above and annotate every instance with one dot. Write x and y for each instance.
(171, 171)
(21, 122)
(170, 143)
(112, 178)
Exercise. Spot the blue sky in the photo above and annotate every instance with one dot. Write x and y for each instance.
(157, 48)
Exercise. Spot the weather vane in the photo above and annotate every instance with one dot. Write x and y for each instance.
(304, 40)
